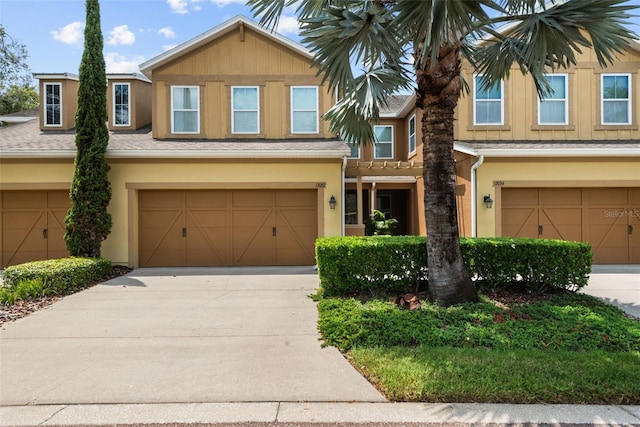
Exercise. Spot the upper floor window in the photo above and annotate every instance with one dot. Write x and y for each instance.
(383, 147)
(304, 109)
(355, 151)
(553, 110)
(121, 116)
(412, 135)
(616, 99)
(53, 104)
(185, 109)
(245, 114)
(488, 103)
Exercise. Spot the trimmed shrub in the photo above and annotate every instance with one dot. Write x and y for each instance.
(55, 276)
(379, 265)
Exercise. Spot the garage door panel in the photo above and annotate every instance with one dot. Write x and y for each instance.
(561, 196)
(24, 200)
(606, 196)
(296, 198)
(563, 224)
(520, 222)
(250, 198)
(519, 197)
(161, 199)
(55, 229)
(207, 199)
(22, 236)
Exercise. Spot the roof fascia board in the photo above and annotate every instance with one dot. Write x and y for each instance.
(558, 152)
(147, 67)
(55, 76)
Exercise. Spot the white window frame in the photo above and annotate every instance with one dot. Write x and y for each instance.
(476, 87)
(315, 110)
(46, 105)
(115, 104)
(357, 148)
(389, 142)
(565, 100)
(257, 110)
(603, 101)
(412, 135)
(197, 109)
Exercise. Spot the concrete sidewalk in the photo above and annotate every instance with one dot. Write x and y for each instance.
(223, 345)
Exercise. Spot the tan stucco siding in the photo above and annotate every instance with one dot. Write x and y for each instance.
(496, 174)
(127, 178)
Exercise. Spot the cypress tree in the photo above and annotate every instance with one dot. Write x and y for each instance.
(88, 223)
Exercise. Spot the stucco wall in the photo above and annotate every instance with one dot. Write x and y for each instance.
(496, 174)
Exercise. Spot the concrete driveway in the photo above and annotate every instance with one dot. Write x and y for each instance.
(179, 335)
(618, 285)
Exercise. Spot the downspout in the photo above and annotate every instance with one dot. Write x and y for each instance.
(474, 194)
(343, 196)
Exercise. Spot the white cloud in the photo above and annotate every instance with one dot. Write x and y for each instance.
(288, 25)
(70, 34)
(167, 32)
(223, 3)
(166, 47)
(121, 35)
(178, 6)
(116, 63)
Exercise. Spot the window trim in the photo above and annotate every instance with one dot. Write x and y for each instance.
(376, 142)
(46, 104)
(128, 85)
(316, 110)
(197, 110)
(257, 110)
(628, 99)
(415, 142)
(475, 103)
(357, 147)
(565, 100)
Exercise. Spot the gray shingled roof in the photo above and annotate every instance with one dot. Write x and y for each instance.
(25, 138)
(394, 104)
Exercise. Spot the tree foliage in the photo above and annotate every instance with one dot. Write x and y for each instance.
(16, 92)
(88, 223)
(420, 45)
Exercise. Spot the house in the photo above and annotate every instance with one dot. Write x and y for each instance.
(219, 156)
(237, 169)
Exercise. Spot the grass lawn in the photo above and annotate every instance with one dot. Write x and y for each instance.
(515, 348)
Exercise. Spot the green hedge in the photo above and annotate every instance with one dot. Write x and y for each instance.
(55, 276)
(382, 265)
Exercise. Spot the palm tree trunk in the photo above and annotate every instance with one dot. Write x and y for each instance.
(438, 93)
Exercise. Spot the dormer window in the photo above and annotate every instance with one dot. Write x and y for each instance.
(53, 104)
(121, 105)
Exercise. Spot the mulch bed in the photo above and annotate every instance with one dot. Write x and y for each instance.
(22, 308)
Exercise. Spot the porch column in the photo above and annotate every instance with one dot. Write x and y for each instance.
(359, 207)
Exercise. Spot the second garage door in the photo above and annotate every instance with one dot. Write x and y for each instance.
(220, 228)
(607, 218)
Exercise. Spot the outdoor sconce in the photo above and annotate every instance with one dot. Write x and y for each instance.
(332, 202)
(488, 201)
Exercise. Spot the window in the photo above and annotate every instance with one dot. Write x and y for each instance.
(488, 103)
(304, 109)
(245, 115)
(553, 110)
(412, 135)
(616, 99)
(121, 115)
(351, 207)
(355, 151)
(383, 148)
(53, 104)
(185, 109)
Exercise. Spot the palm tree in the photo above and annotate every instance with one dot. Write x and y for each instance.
(492, 35)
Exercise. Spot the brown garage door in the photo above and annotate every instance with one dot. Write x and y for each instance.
(33, 225)
(607, 218)
(215, 227)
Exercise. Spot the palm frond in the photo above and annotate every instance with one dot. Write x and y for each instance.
(343, 36)
(268, 11)
(353, 116)
(550, 38)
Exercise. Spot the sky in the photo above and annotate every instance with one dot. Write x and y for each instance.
(134, 30)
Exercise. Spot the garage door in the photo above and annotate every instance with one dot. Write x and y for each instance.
(220, 228)
(33, 225)
(607, 218)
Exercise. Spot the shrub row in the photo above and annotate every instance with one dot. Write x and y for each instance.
(385, 265)
(52, 277)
